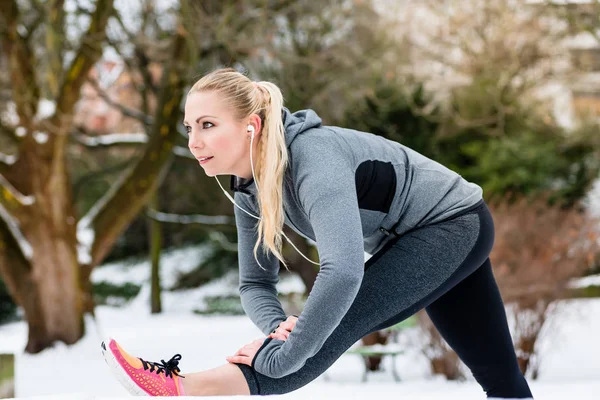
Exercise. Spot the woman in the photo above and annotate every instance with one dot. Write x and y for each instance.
(428, 230)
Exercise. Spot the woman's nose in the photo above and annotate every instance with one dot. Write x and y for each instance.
(194, 142)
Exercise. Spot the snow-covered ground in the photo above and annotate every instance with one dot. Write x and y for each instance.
(570, 367)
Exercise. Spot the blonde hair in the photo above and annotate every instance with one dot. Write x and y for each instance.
(264, 99)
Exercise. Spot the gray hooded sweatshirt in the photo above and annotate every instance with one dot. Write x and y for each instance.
(350, 192)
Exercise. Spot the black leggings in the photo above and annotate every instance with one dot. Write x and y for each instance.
(444, 268)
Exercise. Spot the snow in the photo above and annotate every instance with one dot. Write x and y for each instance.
(20, 131)
(40, 137)
(592, 280)
(85, 239)
(22, 199)
(15, 230)
(114, 138)
(8, 159)
(592, 200)
(85, 223)
(9, 114)
(569, 368)
(191, 218)
(46, 109)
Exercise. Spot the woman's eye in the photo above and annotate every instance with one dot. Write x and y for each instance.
(188, 128)
(206, 127)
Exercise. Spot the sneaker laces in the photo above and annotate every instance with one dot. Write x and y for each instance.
(170, 367)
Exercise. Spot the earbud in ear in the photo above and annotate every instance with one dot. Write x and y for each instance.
(250, 128)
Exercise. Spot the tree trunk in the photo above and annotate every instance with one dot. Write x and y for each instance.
(47, 284)
(155, 246)
(38, 240)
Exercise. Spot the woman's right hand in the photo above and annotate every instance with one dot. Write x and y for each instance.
(284, 329)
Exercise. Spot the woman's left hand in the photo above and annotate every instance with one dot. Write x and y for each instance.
(246, 354)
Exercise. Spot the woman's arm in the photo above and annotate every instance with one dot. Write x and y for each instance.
(326, 190)
(257, 287)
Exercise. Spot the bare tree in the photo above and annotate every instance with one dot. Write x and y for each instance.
(46, 251)
(484, 60)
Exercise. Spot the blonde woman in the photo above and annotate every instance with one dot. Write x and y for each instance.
(427, 228)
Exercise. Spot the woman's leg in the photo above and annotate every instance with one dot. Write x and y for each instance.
(406, 276)
(225, 380)
(472, 320)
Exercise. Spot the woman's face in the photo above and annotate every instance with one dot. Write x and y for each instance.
(213, 131)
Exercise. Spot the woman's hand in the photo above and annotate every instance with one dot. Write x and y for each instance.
(284, 329)
(246, 354)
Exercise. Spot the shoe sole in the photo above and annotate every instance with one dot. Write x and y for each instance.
(119, 372)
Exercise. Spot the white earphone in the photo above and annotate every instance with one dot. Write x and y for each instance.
(250, 129)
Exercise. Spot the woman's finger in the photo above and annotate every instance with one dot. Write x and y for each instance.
(277, 336)
(239, 360)
(283, 333)
(286, 325)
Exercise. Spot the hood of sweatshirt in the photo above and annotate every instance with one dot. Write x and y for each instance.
(296, 123)
(293, 124)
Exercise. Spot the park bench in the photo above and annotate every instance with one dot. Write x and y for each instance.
(391, 349)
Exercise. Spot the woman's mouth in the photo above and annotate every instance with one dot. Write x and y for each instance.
(204, 160)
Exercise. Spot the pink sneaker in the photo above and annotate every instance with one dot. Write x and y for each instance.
(140, 377)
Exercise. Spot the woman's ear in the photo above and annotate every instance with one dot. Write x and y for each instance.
(254, 121)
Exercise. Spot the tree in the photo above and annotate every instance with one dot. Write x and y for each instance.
(46, 251)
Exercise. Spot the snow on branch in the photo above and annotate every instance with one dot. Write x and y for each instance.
(111, 139)
(15, 230)
(86, 235)
(190, 219)
(8, 159)
(21, 198)
(85, 240)
(222, 240)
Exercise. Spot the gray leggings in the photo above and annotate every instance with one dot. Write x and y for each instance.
(444, 268)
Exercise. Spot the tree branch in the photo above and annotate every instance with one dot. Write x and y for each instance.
(11, 203)
(9, 132)
(140, 55)
(13, 265)
(222, 240)
(25, 90)
(13, 227)
(129, 112)
(55, 36)
(84, 138)
(11, 198)
(189, 219)
(114, 212)
(86, 56)
(98, 174)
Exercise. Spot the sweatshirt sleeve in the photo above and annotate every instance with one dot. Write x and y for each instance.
(257, 287)
(326, 190)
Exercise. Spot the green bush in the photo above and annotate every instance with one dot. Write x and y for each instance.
(106, 292)
(222, 305)
(518, 153)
